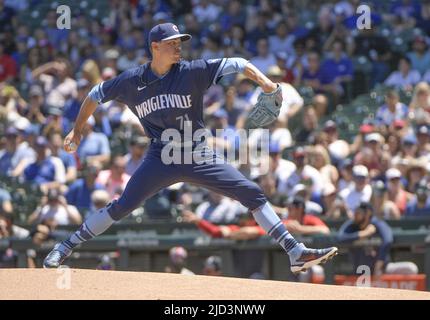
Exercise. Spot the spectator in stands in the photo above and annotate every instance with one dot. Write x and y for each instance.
(235, 107)
(248, 262)
(339, 65)
(282, 40)
(16, 154)
(419, 108)
(330, 201)
(320, 160)
(99, 199)
(304, 190)
(423, 141)
(268, 182)
(101, 122)
(130, 58)
(405, 77)
(360, 191)
(320, 103)
(371, 153)
(106, 263)
(408, 149)
(79, 193)
(68, 160)
(300, 222)
(392, 110)
(260, 30)
(419, 205)
(58, 85)
(383, 208)
(365, 225)
(212, 47)
(376, 48)
(345, 174)
(35, 109)
(264, 59)
(94, 147)
(415, 171)
(44, 171)
(178, 260)
(302, 172)
(114, 179)
(8, 67)
(136, 154)
(212, 266)
(73, 104)
(54, 210)
(312, 74)
(309, 125)
(6, 206)
(206, 12)
(9, 230)
(420, 55)
(396, 192)
(91, 72)
(235, 14)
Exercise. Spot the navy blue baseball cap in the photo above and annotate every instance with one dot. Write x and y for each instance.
(166, 31)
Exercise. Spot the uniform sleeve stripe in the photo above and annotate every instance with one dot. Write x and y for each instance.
(96, 93)
(231, 65)
(220, 68)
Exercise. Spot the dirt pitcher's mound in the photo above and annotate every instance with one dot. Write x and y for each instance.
(96, 284)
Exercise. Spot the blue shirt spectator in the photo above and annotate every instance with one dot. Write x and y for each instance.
(40, 172)
(365, 226)
(420, 56)
(94, 146)
(43, 170)
(14, 155)
(79, 193)
(338, 67)
(420, 204)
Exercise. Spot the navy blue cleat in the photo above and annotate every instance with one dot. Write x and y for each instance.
(57, 256)
(311, 257)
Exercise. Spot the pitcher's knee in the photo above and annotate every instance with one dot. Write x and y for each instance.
(252, 196)
(118, 209)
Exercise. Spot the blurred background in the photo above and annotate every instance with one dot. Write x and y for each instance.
(349, 157)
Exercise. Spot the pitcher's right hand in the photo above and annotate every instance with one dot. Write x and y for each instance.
(72, 141)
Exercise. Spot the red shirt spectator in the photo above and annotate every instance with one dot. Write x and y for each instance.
(8, 67)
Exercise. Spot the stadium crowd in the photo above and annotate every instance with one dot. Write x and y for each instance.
(307, 46)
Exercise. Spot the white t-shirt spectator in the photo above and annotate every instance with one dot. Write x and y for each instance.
(385, 117)
(352, 197)
(295, 178)
(58, 213)
(58, 93)
(397, 80)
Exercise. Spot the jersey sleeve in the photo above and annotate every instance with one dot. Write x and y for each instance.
(210, 71)
(112, 89)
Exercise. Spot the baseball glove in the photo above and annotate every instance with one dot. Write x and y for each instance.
(266, 110)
